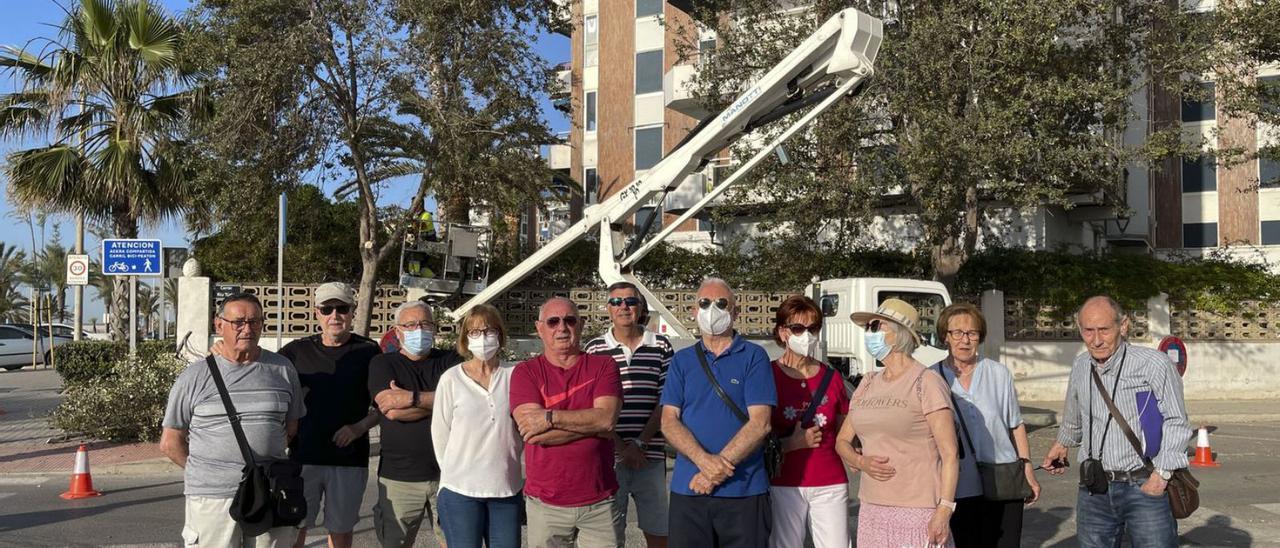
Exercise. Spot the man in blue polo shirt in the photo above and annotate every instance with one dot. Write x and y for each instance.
(719, 487)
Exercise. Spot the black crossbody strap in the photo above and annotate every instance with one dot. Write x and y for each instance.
(1115, 414)
(817, 397)
(231, 411)
(955, 408)
(702, 359)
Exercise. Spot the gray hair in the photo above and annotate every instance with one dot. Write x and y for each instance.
(717, 281)
(1115, 307)
(241, 297)
(542, 307)
(903, 341)
(412, 305)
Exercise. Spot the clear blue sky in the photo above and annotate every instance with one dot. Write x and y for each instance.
(25, 20)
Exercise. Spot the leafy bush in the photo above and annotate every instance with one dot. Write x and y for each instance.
(81, 361)
(125, 405)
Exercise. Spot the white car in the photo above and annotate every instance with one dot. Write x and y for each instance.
(17, 342)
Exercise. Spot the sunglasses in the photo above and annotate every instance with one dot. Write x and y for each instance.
(798, 328)
(554, 321)
(721, 303)
(628, 301)
(873, 326)
(326, 309)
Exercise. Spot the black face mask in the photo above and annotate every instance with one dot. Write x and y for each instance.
(1093, 477)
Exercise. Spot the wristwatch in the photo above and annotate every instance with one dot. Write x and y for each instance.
(1164, 474)
(949, 504)
(549, 423)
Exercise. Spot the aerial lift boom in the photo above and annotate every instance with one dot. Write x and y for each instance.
(832, 63)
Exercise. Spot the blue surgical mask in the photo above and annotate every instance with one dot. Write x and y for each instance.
(875, 345)
(417, 341)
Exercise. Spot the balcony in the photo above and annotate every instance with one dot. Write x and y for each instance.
(564, 9)
(562, 88)
(559, 157)
(676, 92)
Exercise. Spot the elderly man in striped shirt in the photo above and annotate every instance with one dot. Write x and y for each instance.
(642, 358)
(1147, 392)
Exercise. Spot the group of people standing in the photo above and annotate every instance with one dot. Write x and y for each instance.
(764, 448)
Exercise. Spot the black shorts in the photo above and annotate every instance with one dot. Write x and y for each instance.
(720, 522)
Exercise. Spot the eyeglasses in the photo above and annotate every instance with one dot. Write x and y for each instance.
(424, 324)
(253, 323)
(482, 332)
(962, 334)
(798, 328)
(327, 309)
(873, 326)
(619, 301)
(721, 303)
(554, 321)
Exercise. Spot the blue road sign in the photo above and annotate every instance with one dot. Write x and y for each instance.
(132, 258)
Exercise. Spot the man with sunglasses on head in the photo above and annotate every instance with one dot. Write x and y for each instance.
(332, 442)
(719, 487)
(403, 386)
(642, 357)
(197, 434)
(565, 403)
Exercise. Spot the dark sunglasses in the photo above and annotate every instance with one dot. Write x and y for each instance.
(554, 321)
(326, 309)
(798, 328)
(619, 301)
(721, 303)
(873, 326)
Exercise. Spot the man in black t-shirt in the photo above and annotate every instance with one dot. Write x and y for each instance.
(332, 442)
(403, 386)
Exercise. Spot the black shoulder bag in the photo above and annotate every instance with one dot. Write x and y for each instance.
(1001, 481)
(1183, 489)
(269, 495)
(772, 446)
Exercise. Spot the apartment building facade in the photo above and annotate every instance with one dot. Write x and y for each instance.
(624, 89)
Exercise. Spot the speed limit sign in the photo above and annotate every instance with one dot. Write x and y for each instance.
(77, 269)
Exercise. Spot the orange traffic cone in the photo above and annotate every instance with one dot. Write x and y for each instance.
(1204, 454)
(81, 480)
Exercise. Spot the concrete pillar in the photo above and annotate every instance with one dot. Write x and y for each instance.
(1159, 319)
(992, 305)
(195, 313)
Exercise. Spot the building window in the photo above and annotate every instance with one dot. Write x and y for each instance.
(1200, 235)
(591, 41)
(1200, 174)
(648, 71)
(645, 8)
(642, 217)
(648, 147)
(590, 111)
(1270, 232)
(1269, 172)
(705, 225)
(1199, 109)
(591, 185)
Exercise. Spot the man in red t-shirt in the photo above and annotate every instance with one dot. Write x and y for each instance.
(563, 401)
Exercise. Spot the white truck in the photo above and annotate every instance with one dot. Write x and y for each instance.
(842, 340)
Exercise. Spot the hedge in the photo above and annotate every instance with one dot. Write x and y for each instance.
(82, 361)
(126, 404)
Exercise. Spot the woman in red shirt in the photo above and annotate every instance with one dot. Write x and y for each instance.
(812, 485)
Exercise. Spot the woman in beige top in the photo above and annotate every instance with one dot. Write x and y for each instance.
(902, 415)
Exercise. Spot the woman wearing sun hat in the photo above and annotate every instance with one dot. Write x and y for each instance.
(902, 415)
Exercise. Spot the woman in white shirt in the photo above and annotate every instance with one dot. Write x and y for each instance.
(476, 441)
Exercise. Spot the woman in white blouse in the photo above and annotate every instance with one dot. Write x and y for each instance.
(476, 441)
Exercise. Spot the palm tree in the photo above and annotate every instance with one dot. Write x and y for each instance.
(148, 308)
(113, 95)
(13, 304)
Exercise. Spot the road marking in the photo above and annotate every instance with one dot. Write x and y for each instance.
(151, 545)
(22, 480)
(6, 495)
(1273, 507)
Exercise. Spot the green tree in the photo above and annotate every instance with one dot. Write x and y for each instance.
(975, 105)
(13, 304)
(412, 96)
(113, 96)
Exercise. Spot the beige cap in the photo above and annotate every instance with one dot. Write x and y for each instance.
(335, 291)
(895, 310)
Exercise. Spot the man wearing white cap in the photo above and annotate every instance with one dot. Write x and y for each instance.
(332, 443)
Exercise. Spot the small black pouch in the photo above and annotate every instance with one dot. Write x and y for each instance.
(1093, 477)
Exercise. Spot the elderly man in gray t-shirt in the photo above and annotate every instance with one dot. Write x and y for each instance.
(197, 434)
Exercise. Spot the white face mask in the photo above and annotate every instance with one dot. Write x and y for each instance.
(483, 347)
(713, 321)
(803, 344)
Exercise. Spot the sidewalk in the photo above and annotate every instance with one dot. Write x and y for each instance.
(1200, 412)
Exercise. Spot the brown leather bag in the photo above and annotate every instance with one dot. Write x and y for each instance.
(1183, 488)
